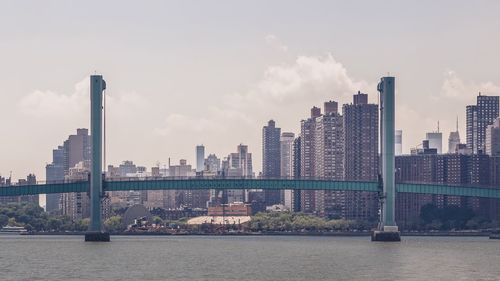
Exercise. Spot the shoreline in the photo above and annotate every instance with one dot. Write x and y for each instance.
(326, 234)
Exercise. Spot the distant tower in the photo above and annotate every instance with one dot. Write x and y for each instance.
(435, 140)
(271, 161)
(399, 142)
(200, 158)
(454, 140)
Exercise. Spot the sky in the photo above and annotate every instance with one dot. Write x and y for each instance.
(182, 73)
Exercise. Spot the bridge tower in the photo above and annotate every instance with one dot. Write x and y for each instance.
(387, 230)
(95, 233)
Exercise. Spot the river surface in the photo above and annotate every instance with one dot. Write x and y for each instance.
(248, 258)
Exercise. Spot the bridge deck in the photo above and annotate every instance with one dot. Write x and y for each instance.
(272, 184)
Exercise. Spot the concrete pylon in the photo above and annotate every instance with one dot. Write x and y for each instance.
(387, 230)
(95, 233)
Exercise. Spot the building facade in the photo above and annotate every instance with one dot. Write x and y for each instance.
(479, 117)
(271, 159)
(492, 143)
(361, 126)
(286, 169)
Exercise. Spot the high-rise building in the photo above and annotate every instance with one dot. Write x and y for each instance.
(361, 139)
(238, 165)
(127, 168)
(398, 141)
(286, 152)
(435, 141)
(454, 140)
(492, 143)
(454, 169)
(480, 116)
(54, 172)
(271, 150)
(307, 161)
(212, 164)
(73, 151)
(76, 205)
(296, 172)
(200, 158)
(361, 155)
(271, 159)
(329, 157)
(185, 198)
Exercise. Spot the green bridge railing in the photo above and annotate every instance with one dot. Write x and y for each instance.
(271, 184)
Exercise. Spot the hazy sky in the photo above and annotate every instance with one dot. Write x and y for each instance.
(181, 73)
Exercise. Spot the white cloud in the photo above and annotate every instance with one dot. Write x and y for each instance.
(285, 93)
(309, 78)
(49, 103)
(455, 88)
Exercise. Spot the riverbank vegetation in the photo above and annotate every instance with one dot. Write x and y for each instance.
(431, 218)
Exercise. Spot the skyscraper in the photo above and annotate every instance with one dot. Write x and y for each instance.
(361, 154)
(286, 152)
(307, 161)
(493, 138)
(296, 172)
(237, 164)
(329, 156)
(212, 164)
(74, 150)
(435, 141)
(271, 159)
(271, 150)
(200, 158)
(54, 172)
(453, 140)
(398, 149)
(479, 116)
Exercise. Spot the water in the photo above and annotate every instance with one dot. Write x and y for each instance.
(248, 258)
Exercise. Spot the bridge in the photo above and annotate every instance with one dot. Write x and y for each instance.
(222, 183)
(96, 186)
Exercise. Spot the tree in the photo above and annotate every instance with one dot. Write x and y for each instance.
(54, 224)
(157, 220)
(114, 224)
(4, 220)
(82, 225)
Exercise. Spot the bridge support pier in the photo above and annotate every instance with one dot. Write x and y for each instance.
(387, 230)
(95, 233)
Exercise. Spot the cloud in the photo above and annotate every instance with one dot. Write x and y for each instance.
(276, 43)
(308, 78)
(49, 104)
(284, 93)
(40, 103)
(455, 88)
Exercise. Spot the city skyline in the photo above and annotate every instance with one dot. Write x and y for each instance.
(150, 120)
(250, 140)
